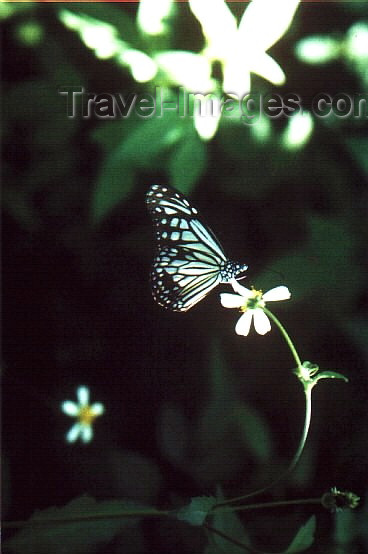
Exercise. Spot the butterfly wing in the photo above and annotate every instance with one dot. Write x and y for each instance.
(189, 259)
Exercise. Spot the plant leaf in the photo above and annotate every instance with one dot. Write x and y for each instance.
(188, 162)
(196, 512)
(41, 535)
(330, 375)
(304, 537)
(230, 524)
(115, 182)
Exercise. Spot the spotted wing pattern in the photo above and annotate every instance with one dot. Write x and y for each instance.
(189, 261)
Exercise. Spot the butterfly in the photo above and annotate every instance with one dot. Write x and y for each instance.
(189, 261)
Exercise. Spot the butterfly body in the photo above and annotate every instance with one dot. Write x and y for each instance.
(190, 261)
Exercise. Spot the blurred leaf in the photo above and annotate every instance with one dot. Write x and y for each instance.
(173, 433)
(37, 102)
(245, 154)
(139, 149)
(133, 475)
(188, 162)
(304, 537)
(108, 13)
(43, 170)
(17, 204)
(230, 524)
(324, 266)
(149, 138)
(254, 431)
(226, 412)
(357, 328)
(226, 427)
(109, 134)
(196, 512)
(8, 9)
(346, 527)
(79, 537)
(115, 182)
(358, 147)
(57, 63)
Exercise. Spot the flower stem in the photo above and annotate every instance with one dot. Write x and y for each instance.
(294, 461)
(263, 505)
(307, 420)
(285, 335)
(231, 539)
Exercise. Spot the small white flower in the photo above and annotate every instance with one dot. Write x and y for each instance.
(84, 413)
(251, 302)
(152, 16)
(242, 49)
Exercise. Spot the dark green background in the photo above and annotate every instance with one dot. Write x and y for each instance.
(188, 403)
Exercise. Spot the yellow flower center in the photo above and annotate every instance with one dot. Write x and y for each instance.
(86, 415)
(254, 301)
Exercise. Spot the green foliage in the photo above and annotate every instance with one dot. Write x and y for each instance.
(230, 524)
(82, 526)
(142, 148)
(358, 147)
(307, 267)
(187, 162)
(181, 415)
(115, 182)
(304, 537)
(108, 13)
(197, 511)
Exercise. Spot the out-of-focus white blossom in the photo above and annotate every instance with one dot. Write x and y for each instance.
(84, 413)
(152, 14)
(298, 131)
(317, 49)
(242, 48)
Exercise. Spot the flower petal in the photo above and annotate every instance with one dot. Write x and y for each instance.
(206, 125)
(83, 395)
(264, 65)
(70, 408)
(264, 23)
(86, 433)
(97, 409)
(151, 16)
(191, 70)
(74, 432)
(243, 291)
(243, 325)
(236, 76)
(218, 23)
(231, 300)
(298, 130)
(261, 322)
(277, 293)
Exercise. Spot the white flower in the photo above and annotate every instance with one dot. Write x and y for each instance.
(84, 413)
(152, 16)
(251, 302)
(242, 48)
(298, 131)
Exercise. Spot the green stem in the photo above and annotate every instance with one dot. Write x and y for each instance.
(263, 505)
(285, 335)
(307, 420)
(230, 539)
(89, 517)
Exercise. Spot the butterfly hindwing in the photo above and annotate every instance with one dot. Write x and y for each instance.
(190, 261)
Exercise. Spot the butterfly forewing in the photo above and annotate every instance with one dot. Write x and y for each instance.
(190, 261)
